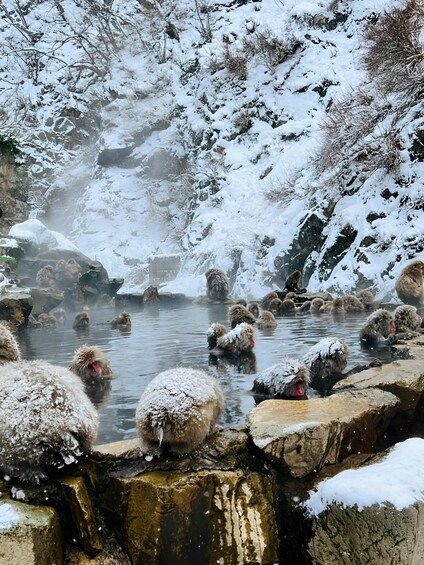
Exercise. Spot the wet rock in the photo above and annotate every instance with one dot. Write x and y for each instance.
(205, 517)
(44, 300)
(15, 307)
(81, 509)
(301, 436)
(386, 530)
(151, 296)
(404, 379)
(114, 157)
(29, 534)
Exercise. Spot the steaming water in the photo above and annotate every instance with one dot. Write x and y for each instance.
(162, 338)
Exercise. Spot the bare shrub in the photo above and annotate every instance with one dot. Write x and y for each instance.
(272, 49)
(395, 56)
(235, 61)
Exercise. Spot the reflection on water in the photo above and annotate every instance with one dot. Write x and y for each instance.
(162, 338)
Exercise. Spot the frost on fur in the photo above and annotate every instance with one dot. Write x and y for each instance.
(178, 410)
(288, 379)
(9, 348)
(46, 419)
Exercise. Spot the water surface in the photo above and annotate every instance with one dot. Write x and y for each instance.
(165, 337)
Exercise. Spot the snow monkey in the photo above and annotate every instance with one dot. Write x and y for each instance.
(217, 285)
(407, 321)
(316, 305)
(9, 348)
(254, 309)
(292, 283)
(409, 286)
(45, 277)
(367, 299)
(46, 419)
(215, 331)
(239, 314)
(288, 379)
(90, 363)
(326, 361)
(266, 320)
(178, 409)
(379, 327)
(123, 321)
(268, 298)
(236, 342)
(81, 321)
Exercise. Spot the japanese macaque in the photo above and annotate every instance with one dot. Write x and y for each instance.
(274, 306)
(47, 320)
(151, 296)
(81, 321)
(266, 320)
(45, 277)
(407, 321)
(287, 306)
(292, 283)
(91, 364)
(367, 299)
(338, 305)
(409, 286)
(242, 301)
(217, 285)
(316, 305)
(352, 304)
(254, 309)
(123, 321)
(288, 379)
(178, 410)
(379, 327)
(237, 341)
(266, 300)
(46, 419)
(66, 274)
(9, 348)
(326, 360)
(304, 307)
(239, 314)
(215, 331)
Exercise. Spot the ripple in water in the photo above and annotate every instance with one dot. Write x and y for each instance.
(165, 337)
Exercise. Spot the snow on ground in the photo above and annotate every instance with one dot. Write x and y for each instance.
(249, 138)
(392, 481)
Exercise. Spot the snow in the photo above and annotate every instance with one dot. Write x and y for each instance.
(35, 232)
(250, 143)
(392, 481)
(8, 516)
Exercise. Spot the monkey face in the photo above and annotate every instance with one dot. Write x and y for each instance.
(295, 390)
(95, 369)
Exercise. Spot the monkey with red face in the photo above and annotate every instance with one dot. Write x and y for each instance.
(90, 363)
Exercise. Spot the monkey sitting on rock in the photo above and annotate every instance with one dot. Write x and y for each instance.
(407, 321)
(178, 410)
(46, 419)
(292, 283)
(217, 285)
(409, 285)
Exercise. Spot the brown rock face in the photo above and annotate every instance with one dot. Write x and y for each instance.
(302, 436)
(205, 517)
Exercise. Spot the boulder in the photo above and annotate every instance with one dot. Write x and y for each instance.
(44, 300)
(301, 436)
(15, 307)
(374, 514)
(204, 517)
(29, 534)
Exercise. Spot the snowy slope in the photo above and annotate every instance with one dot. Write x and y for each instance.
(201, 135)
